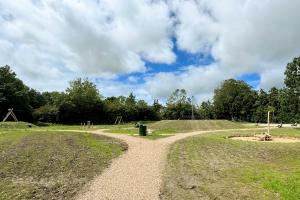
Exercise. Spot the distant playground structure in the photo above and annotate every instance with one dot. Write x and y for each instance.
(266, 136)
(10, 113)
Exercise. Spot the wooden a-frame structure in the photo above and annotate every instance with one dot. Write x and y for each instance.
(10, 113)
(119, 120)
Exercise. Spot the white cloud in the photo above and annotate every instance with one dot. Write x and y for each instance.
(265, 34)
(245, 36)
(196, 30)
(104, 38)
(197, 80)
(50, 42)
(117, 88)
(272, 78)
(133, 79)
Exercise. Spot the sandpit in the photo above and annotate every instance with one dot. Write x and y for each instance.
(256, 138)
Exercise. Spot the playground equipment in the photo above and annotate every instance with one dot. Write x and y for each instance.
(295, 124)
(88, 124)
(119, 120)
(10, 113)
(267, 137)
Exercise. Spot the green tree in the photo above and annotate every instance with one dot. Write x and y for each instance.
(36, 99)
(156, 108)
(143, 111)
(234, 100)
(274, 104)
(130, 108)
(206, 110)
(54, 98)
(14, 94)
(82, 103)
(46, 113)
(114, 106)
(178, 105)
(260, 107)
(292, 75)
(290, 100)
(83, 93)
(289, 106)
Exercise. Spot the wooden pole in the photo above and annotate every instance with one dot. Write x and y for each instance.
(268, 122)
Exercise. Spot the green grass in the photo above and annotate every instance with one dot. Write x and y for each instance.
(211, 166)
(194, 125)
(166, 128)
(156, 134)
(128, 131)
(25, 125)
(78, 127)
(15, 125)
(51, 165)
(276, 132)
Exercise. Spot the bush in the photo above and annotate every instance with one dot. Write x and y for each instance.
(46, 113)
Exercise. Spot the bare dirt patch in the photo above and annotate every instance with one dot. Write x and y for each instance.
(257, 138)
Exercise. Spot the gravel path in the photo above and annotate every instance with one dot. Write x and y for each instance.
(137, 174)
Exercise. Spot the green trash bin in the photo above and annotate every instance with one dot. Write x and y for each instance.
(142, 130)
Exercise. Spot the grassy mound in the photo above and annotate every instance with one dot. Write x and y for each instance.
(213, 167)
(166, 128)
(15, 125)
(192, 125)
(51, 165)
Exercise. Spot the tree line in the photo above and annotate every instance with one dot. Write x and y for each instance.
(82, 101)
(236, 100)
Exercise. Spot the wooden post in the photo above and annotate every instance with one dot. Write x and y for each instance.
(268, 122)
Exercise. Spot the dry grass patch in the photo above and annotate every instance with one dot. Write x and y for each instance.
(212, 166)
(52, 165)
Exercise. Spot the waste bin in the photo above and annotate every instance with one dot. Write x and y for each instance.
(142, 130)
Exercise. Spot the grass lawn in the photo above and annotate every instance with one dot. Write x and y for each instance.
(51, 165)
(15, 125)
(201, 125)
(26, 125)
(212, 167)
(155, 134)
(166, 128)
(160, 129)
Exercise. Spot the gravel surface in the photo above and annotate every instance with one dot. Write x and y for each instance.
(137, 174)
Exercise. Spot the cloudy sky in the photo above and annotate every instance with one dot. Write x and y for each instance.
(149, 47)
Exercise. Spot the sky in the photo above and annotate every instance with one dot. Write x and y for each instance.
(149, 47)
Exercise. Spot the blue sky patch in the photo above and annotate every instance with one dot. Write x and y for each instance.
(253, 79)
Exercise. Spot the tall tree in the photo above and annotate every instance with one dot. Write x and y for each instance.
(82, 103)
(234, 100)
(157, 107)
(292, 76)
(292, 81)
(206, 110)
(260, 106)
(36, 99)
(130, 108)
(178, 105)
(14, 94)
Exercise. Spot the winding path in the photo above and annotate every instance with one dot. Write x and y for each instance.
(137, 174)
